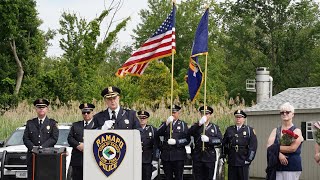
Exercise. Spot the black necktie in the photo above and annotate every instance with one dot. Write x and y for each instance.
(113, 115)
(85, 125)
(40, 123)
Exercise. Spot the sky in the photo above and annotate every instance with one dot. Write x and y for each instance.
(50, 12)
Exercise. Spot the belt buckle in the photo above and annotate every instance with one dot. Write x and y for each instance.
(237, 148)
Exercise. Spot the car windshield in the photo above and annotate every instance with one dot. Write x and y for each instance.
(16, 138)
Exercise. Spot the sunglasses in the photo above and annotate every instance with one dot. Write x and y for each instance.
(285, 112)
(86, 112)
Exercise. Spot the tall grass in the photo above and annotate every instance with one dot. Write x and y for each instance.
(13, 118)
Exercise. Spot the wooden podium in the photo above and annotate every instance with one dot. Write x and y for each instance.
(112, 154)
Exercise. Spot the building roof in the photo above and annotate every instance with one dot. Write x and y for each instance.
(301, 98)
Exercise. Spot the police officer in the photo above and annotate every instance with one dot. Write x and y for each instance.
(173, 152)
(204, 157)
(115, 117)
(40, 131)
(75, 139)
(149, 142)
(240, 145)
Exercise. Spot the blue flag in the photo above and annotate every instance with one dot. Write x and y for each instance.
(200, 47)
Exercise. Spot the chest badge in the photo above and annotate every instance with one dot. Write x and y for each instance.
(126, 121)
(244, 133)
(178, 127)
(150, 134)
(48, 127)
(212, 130)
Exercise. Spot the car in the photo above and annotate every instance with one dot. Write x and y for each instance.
(15, 153)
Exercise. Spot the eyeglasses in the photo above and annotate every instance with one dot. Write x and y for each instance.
(86, 112)
(285, 112)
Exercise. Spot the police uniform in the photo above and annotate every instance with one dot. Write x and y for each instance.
(173, 156)
(240, 146)
(204, 159)
(125, 118)
(150, 143)
(45, 134)
(75, 137)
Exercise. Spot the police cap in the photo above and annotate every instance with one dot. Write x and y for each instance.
(86, 107)
(175, 108)
(208, 109)
(144, 114)
(41, 103)
(240, 113)
(110, 92)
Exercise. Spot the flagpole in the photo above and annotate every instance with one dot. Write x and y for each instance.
(205, 97)
(171, 101)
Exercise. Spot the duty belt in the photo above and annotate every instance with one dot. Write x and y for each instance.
(237, 147)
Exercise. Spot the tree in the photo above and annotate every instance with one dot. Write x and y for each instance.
(84, 53)
(22, 44)
(278, 34)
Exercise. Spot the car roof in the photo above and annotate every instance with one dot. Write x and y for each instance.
(60, 126)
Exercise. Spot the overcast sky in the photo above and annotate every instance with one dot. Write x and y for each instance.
(50, 12)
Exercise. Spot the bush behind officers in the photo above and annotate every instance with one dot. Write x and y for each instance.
(204, 160)
(173, 152)
(150, 143)
(240, 145)
(40, 131)
(75, 139)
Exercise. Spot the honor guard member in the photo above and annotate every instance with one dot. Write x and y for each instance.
(115, 117)
(173, 152)
(204, 157)
(75, 139)
(40, 131)
(149, 142)
(240, 145)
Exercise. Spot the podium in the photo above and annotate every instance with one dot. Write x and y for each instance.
(112, 155)
(49, 163)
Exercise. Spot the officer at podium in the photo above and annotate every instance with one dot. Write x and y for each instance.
(204, 154)
(75, 139)
(115, 117)
(40, 131)
(176, 137)
(149, 142)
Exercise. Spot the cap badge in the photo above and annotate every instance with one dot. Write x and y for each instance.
(110, 89)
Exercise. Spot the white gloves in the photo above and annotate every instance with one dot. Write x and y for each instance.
(172, 141)
(246, 162)
(202, 120)
(154, 163)
(169, 120)
(204, 138)
(107, 124)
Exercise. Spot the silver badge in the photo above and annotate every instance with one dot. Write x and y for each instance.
(150, 133)
(244, 133)
(212, 130)
(126, 121)
(48, 127)
(178, 127)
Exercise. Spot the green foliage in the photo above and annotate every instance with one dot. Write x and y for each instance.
(282, 35)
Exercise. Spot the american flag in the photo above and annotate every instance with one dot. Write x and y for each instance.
(160, 44)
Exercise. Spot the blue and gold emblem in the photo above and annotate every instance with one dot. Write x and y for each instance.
(109, 150)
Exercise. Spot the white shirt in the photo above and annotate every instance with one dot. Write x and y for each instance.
(41, 119)
(116, 110)
(88, 122)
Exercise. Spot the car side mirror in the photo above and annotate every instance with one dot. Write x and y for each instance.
(1, 143)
